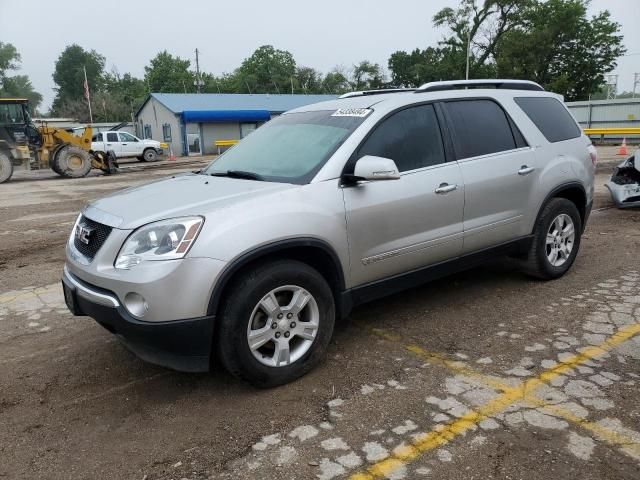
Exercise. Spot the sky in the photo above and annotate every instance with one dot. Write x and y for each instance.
(332, 32)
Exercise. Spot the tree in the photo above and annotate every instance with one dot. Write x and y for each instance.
(9, 59)
(367, 76)
(17, 85)
(482, 27)
(68, 75)
(307, 80)
(121, 97)
(267, 70)
(20, 86)
(168, 74)
(336, 82)
(560, 48)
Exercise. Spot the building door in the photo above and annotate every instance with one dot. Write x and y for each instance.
(194, 141)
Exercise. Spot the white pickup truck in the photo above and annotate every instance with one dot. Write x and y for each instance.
(124, 145)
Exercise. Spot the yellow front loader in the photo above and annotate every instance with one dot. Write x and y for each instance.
(66, 154)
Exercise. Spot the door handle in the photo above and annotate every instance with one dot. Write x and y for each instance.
(525, 170)
(445, 188)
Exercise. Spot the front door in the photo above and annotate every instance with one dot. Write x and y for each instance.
(499, 171)
(395, 226)
(131, 146)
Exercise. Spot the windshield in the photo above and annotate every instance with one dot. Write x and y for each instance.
(290, 148)
(11, 114)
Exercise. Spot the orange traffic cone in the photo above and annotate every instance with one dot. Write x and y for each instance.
(623, 148)
(172, 157)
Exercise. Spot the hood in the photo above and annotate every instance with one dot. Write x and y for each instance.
(148, 141)
(178, 196)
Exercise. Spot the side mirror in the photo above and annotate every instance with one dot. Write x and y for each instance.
(374, 168)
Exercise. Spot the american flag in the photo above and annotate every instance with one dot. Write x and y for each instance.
(87, 95)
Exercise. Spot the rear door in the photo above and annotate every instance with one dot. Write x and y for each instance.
(499, 171)
(112, 142)
(395, 226)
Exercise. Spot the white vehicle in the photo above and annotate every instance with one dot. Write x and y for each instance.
(125, 145)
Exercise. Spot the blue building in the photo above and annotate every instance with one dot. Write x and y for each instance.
(191, 123)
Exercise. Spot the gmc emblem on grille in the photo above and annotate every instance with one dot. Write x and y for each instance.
(84, 233)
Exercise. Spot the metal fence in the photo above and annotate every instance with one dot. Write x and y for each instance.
(598, 114)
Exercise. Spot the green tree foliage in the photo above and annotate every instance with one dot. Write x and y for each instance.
(120, 98)
(68, 75)
(560, 48)
(482, 25)
(366, 76)
(551, 42)
(20, 86)
(336, 82)
(168, 74)
(9, 59)
(15, 85)
(307, 80)
(267, 70)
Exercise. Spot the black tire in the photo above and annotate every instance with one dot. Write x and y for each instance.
(6, 167)
(150, 155)
(537, 263)
(72, 162)
(245, 293)
(52, 160)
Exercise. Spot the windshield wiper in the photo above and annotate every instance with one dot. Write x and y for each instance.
(238, 174)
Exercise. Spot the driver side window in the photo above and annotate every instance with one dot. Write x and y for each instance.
(125, 137)
(410, 137)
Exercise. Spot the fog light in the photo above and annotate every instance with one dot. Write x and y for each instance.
(136, 304)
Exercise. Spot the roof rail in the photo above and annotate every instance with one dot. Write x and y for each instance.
(488, 83)
(362, 93)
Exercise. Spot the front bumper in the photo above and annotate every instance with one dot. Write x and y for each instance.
(183, 345)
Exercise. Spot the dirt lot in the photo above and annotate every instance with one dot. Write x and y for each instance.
(486, 374)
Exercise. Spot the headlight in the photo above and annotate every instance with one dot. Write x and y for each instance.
(165, 240)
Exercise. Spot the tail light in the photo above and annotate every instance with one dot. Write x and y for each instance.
(593, 153)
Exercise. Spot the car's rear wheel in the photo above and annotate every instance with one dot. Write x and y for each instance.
(150, 155)
(276, 323)
(556, 240)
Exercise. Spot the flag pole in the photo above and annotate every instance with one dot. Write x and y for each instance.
(87, 94)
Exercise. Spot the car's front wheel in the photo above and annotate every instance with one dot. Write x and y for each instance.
(556, 240)
(276, 323)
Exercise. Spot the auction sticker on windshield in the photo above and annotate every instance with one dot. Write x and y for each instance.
(351, 112)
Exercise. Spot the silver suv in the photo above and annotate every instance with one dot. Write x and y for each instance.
(253, 259)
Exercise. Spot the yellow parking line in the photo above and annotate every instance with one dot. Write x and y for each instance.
(449, 431)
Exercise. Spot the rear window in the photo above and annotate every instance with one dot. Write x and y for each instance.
(479, 127)
(550, 116)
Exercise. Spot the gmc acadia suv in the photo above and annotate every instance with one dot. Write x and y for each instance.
(253, 259)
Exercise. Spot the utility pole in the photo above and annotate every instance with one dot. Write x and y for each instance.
(466, 77)
(198, 81)
(636, 82)
(612, 86)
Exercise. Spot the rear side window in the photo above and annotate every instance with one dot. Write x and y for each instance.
(479, 127)
(112, 137)
(410, 137)
(550, 116)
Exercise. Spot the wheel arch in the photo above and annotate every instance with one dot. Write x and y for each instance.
(316, 253)
(572, 191)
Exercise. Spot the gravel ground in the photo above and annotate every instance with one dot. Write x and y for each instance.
(485, 374)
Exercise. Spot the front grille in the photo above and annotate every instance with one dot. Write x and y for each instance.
(98, 234)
